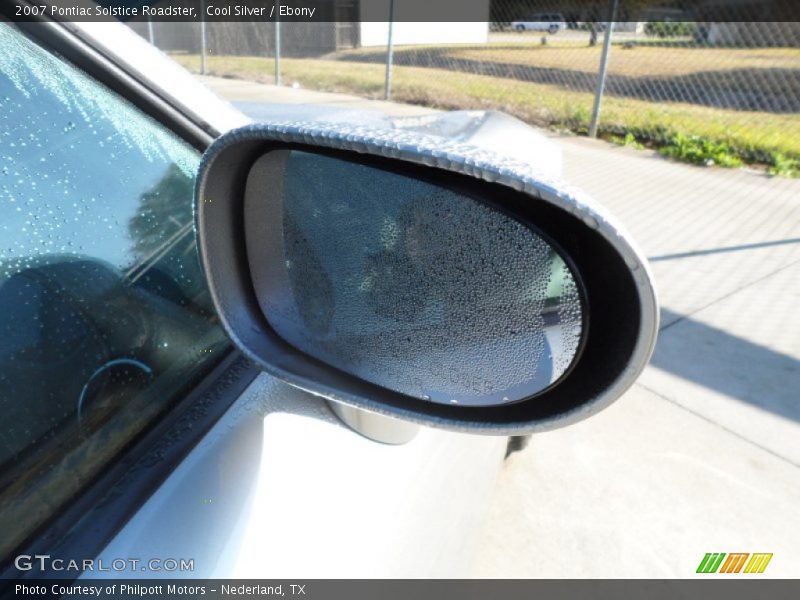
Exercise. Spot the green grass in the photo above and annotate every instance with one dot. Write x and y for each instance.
(748, 136)
(641, 60)
(700, 151)
(628, 141)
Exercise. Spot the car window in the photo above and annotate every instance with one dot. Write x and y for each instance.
(105, 319)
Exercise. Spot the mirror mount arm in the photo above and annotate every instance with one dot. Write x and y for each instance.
(373, 426)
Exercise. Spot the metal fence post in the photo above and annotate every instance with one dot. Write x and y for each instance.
(150, 32)
(277, 51)
(387, 90)
(601, 78)
(203, 38)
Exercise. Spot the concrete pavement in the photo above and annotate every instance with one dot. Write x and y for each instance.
(702, 455)
(238, 90)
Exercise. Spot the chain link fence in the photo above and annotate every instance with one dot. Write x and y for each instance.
(716, 94)
(723, 92)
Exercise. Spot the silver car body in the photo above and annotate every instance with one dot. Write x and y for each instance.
(280, 486)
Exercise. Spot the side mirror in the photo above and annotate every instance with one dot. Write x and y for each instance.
(421, 279)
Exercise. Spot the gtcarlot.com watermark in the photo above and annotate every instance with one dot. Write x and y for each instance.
(44, 562)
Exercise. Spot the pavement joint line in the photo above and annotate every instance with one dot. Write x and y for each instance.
(722, 427)
(684, 317)
(722, 250)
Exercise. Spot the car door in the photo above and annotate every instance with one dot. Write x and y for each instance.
(133, 429)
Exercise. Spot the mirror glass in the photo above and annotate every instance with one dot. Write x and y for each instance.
(407, 284)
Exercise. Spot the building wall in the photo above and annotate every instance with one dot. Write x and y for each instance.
(375, 33)
(243, 39)
(755, 34)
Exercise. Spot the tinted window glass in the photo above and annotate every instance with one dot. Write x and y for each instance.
(105, 318)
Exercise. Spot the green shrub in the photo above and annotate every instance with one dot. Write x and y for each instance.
(629, 141)
(664, 29)
(784, 166)
(701, 151)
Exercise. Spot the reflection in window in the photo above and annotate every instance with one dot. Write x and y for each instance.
(105, 319)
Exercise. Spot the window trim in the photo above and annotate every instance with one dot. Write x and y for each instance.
(89, 521)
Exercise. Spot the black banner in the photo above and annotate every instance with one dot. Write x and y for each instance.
(499, 11)
(183, 589)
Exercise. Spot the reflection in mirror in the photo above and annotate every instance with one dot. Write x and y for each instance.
(406, 284)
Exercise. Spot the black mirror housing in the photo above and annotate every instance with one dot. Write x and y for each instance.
(620, 310)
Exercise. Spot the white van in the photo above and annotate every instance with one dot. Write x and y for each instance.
(550, 22)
